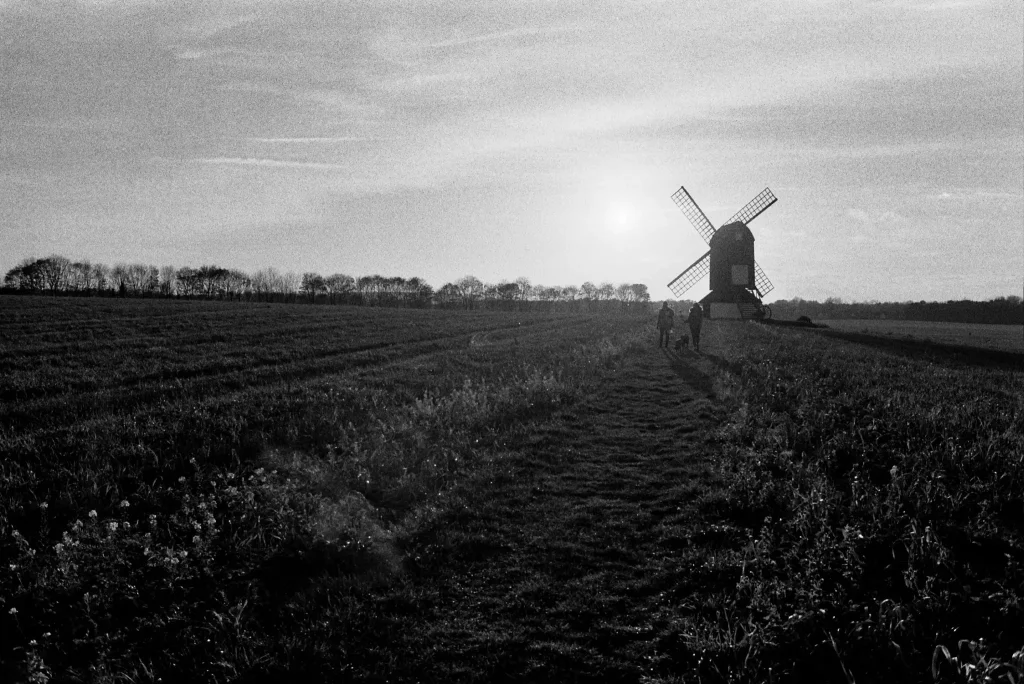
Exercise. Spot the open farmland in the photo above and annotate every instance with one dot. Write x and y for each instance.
(1004, 337)
(219, 492)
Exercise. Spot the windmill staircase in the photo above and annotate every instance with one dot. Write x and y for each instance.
(750, 311)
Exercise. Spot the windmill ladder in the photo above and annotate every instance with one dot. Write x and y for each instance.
(749, 311)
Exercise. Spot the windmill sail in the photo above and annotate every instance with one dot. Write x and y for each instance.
(688, 278)
(691, 211)
(764, 286)
(754, 208)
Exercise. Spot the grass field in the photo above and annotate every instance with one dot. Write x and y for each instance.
(227, 492)
(1005, 337)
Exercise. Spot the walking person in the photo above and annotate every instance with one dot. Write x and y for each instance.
(695, 319)
(666, 319)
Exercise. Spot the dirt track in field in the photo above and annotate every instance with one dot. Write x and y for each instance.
(573, 563)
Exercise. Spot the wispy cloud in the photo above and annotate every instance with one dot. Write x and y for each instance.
(272, 163)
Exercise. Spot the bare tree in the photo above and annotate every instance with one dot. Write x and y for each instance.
(471, 289)
(101, 277)
(289, 285)
(55, 270)
(449, 296)
(168, 280)
(80, 277)
(339, 284)
(312, 284)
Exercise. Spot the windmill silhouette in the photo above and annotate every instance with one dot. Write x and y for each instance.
(737, 282)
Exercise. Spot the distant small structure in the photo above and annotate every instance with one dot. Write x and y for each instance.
(736, 281)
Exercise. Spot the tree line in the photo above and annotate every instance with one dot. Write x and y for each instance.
(58, 275)
(1001, 310)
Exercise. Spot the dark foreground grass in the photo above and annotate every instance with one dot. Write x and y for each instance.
(164, 498)
(504, 499)
(885, 495)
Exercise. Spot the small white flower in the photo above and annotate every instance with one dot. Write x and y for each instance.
(127, 525)
(174, 561)
(125, 504)
(195, 539)
(113, 526)
(78, 525)
(59, 548)
(44, 505)
(181, 479)
(13, 611)
(93, 514)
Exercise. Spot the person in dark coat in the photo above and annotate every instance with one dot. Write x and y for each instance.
(666, 319)
(695, 319)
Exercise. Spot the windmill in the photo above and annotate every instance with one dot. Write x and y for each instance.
(737, 282)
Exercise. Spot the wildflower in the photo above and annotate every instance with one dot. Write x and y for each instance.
(13, 611)
(78, 525)
(174, 561)
(127, 525)
(33, 642)
(44, 505)
(113, 526)
(46, 635)
(181, 479)
(259, 471)
(152, 518)
(893, 471)
(125, 504)
(58, 547)
(195, 539)
(93, 514)
(231, 476)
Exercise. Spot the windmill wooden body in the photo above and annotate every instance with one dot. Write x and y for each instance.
(736, 281)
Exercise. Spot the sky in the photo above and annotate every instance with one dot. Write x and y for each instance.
(536, 138)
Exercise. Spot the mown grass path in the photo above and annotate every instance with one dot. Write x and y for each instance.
(571, 562)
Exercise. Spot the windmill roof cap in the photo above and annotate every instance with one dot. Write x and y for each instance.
(732, 229)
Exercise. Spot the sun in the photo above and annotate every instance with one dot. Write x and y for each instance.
(620, 217)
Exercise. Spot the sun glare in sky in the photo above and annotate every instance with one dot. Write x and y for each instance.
(622, 217)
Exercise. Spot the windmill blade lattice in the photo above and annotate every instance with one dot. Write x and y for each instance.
(764, 286)
(754, 207)
(690, 209)
(688, 278)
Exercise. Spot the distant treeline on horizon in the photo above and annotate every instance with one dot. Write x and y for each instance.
(57, 275)
(1001, 310)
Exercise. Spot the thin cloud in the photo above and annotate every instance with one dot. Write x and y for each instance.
(307, 141)
(501, 35)
(272, 163)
